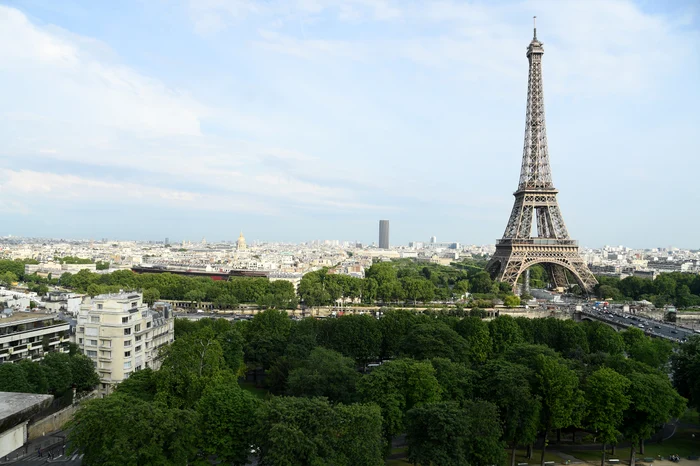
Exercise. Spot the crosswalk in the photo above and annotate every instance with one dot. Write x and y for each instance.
(70, 460)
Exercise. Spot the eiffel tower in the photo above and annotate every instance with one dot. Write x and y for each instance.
(518, 250)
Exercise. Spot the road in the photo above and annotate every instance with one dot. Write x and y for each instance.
(649, 326)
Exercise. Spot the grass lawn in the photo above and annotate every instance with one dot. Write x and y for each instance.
(521, 456)
(690, 417)
(682, 443)
(250, 386)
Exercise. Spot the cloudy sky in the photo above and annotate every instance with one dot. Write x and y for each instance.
(295, 120)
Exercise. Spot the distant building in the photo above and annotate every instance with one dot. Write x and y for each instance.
(29, 335)
(121, 335)
(240, 244)
(384, 234)
(167, 241)
(433, 239)
(61, 301)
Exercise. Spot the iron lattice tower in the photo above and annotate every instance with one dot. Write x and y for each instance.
(552, 247)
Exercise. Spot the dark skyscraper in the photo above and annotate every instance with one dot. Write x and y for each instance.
(384, 234)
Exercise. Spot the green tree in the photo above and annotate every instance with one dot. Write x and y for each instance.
(561, 398)
(13, 378)
(505, 332)
(232, 343)
(434, 339)
(189, 363)
(310, 431)
(606, 402)
(456, 380)
(481, 283)
(437, 433)
(266, 337)
(141, 384)
(151, 295)
(324, 373)
(394, 326)
(653, 402)
(227, 421)
(397, 387)
(511, 301)
(507, 385)
(59, 376)
(476, 333)
(686, 370)
(120, 430)
(358, 337)
(83, 374)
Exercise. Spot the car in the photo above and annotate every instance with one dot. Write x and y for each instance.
(657, 326)
(640, 325)
(674, 331)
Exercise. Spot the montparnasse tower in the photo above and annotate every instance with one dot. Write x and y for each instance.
(240, 244)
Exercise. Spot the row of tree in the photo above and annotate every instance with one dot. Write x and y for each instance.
(680, 289)
(461, 390)
(56, 374)
(403, 281)
(224, 294)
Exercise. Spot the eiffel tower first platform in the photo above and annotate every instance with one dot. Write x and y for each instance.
(536, 199)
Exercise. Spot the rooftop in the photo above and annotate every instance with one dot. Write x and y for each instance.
(18, 407)
(28, 316)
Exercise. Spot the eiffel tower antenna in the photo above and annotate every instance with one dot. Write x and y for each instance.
(518, 250)
(534, 27)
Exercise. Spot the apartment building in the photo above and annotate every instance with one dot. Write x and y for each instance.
(30, 335)
(122, 335)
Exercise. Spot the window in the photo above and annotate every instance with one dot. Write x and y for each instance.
(106, 354)
(127, 354)
(125, 320)
(107, 343)
(99, 306)
(146, 344)
(92, 354)
(137, 349)
(137, 328)
(148, 325)
(134, 304)
(138, 338)
(81, 329)
(92, 342)
(137, 368)
(94, 319)
(127, 343)
(80, 341)
(127, 331)
(127, 365)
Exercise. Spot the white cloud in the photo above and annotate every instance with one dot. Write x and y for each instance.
(53, 76)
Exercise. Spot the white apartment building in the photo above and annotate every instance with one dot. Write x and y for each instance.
(121, 335)
(28, 335)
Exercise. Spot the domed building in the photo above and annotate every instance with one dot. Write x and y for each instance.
(240, 245)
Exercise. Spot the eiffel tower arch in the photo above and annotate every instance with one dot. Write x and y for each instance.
(536, 206)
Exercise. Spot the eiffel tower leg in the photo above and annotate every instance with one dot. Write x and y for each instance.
(583, 274)
(557, 276)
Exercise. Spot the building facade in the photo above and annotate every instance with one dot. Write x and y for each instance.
(384, 234)
(121, 335)
(30, 335)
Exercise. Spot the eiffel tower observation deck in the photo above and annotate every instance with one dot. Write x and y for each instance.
(536, 199)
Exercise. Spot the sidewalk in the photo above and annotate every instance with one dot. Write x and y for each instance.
(54, 440)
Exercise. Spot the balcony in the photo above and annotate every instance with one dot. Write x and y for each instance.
(537, 242)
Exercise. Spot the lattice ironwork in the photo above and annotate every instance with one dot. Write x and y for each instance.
(536, 197)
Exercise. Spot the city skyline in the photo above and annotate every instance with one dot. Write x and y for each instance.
(180, 126)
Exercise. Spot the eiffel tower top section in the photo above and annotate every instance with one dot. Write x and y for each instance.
(535, 173)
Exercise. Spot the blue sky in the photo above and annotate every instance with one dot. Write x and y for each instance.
(312, 119)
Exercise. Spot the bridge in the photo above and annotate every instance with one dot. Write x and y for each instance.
(621, 321)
